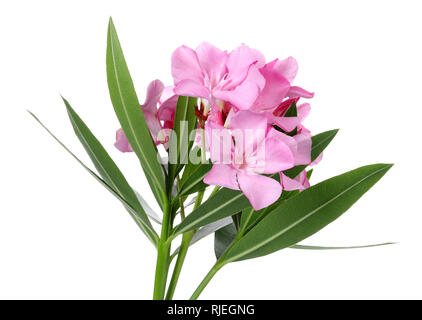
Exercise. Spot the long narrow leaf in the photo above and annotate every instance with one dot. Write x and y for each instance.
(305, 247)
(135, 215)
(306, 213)
(184, 124)
(130, 115)
(107, 168)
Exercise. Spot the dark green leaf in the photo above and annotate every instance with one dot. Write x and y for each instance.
(108, 169)
(130, 115)
(305, 214)
(223, 239)
(134, 213)
(193, 182)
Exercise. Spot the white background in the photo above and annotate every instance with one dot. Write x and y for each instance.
(63, 236)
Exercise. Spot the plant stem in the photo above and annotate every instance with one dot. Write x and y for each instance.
(163, 255)
(187, 237)
(206, 280)
(184, 246)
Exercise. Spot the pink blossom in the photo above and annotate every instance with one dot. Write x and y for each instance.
(239, 165)
(156, 94)
(213, 74)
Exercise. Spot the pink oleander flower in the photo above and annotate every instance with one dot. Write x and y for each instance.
(167, 100)
(300, 182)
(240, 164)
(214, 75)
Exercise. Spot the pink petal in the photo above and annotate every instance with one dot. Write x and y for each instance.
(222, 175)
(185, 65)
(249, 129)
(278, 155)
(303, 111)
(167, 94)
(287, 67)
(295, 92)
(261, 191)
(122, 144)
(191, 88)
(300, 182)
(212, 61)
(219, 142)
(153, 124)
(154, 90)
(239, 61)
(167, 109)
(288, 124)
(303, 151)
(243, 96)
(274, 91)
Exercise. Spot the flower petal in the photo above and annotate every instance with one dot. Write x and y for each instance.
(243, 96)
(274, 91)
(304, 146)
(185, 65)
(154, 91)
(300, 182)
(122, 144)
(222, 175)
(296, 92)
(261, 191)
(287, 67)
(239, 61)
(191, 88)
(278, 155)
(212, 61)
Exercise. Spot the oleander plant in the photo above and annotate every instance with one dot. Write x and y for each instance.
(225, 153)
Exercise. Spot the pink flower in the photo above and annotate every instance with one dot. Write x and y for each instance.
(252, 150)
(300, 182)
(212, 74)
(156, 94)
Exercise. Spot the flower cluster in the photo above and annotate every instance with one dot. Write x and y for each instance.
(250, 112)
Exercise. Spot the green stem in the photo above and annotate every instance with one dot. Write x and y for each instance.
(183, 250)
(187, 237)
(206, 280)
(163, 255)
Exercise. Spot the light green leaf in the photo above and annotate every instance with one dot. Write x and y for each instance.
(134, 213)
(130, 115)
(305, 214)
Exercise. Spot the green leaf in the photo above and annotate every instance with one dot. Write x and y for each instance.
(193, 182)
(130, 115)
(184, 124)
(107, 168)
(224, 203)
(305, 214)
(136, 215)
(319, 143)
(223, 239)
(305, 247)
